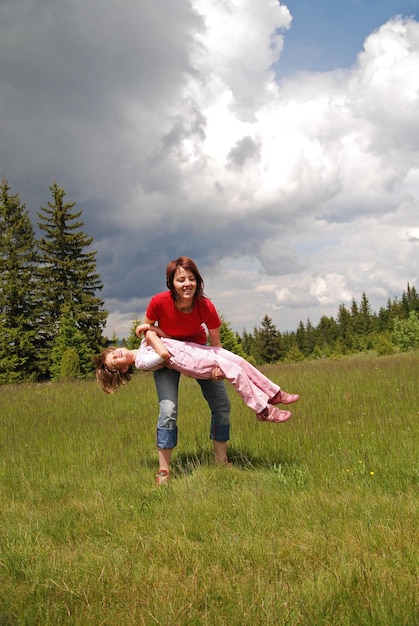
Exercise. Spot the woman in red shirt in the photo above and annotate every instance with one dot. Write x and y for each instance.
(182, 313)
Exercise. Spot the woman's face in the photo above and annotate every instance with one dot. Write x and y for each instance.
(184, 283)
(118, 359)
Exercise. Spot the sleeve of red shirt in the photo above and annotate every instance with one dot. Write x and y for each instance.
(151, 312)
(210, 316)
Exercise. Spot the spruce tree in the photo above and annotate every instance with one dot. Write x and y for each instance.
(70, 354)
(18, 290)
(67, 270)
(305, 338)
(345, 326)
(247, 341)
(229, 339)
(132, 342)
(267, 345)
(396, 311)
(310, 337)
(383, 319)
(366, 316)
(326, 333)
(410, 300)
(288, 341)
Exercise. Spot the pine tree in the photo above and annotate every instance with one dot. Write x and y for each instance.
(247, 341)
(326, 333)
(395, 312)
(383, 319)
(365, 320)
(70, 355)
(310, 337)
(361, 324)
(410, 300)
(133, 342)
(267, 345)
(68, 274)
(300, 337)
(344, 323)
(305, 338)
(229, 339)
(18, 290)
(288, 341)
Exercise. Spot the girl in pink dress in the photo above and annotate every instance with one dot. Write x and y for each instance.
(196, 361)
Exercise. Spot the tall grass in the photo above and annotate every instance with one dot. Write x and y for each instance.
(316, 523)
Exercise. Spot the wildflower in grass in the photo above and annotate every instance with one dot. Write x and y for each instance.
(372, 473)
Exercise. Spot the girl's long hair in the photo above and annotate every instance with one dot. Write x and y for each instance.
(109, 380)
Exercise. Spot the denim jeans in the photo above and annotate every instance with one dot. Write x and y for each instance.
(167, 385)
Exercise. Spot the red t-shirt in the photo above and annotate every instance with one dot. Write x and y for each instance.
(183, 326)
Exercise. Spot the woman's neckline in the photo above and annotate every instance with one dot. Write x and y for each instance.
(185, 309)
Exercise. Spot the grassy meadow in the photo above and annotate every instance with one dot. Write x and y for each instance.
(317, 522)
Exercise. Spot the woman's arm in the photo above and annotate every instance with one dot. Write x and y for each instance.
(153, 334)
(149, 325)
(215, 338)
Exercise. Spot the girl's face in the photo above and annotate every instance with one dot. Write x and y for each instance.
(119, 359)
(184, 283)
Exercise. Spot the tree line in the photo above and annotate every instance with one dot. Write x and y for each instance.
(52, 318)
(355, 329)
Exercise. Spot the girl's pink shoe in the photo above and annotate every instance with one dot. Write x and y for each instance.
(282, 397)
(272, 414)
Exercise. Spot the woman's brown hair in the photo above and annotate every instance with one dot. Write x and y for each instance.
(190, 266)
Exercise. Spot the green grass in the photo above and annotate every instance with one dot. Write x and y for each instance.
(316, 523)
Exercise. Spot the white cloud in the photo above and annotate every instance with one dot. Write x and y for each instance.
(330, 288)
(412, 235)
(166, 124)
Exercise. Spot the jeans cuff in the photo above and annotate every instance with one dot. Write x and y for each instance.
(220, 432)
(166, 437)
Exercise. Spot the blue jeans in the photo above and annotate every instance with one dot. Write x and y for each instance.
(167, 385)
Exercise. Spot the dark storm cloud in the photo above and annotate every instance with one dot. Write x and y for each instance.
(67, 73)
(163, 122)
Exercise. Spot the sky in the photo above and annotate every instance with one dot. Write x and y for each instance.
(277, 144)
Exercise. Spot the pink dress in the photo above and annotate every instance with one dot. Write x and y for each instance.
(198, 361)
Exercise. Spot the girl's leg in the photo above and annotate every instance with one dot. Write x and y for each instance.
(275, 394)
(261, 381)
(254, 395)
(199, 362)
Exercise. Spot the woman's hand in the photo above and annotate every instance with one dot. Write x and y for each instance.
(142, 328)
(217, 374)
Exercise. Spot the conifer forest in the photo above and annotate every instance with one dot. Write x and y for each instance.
(52, 317)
